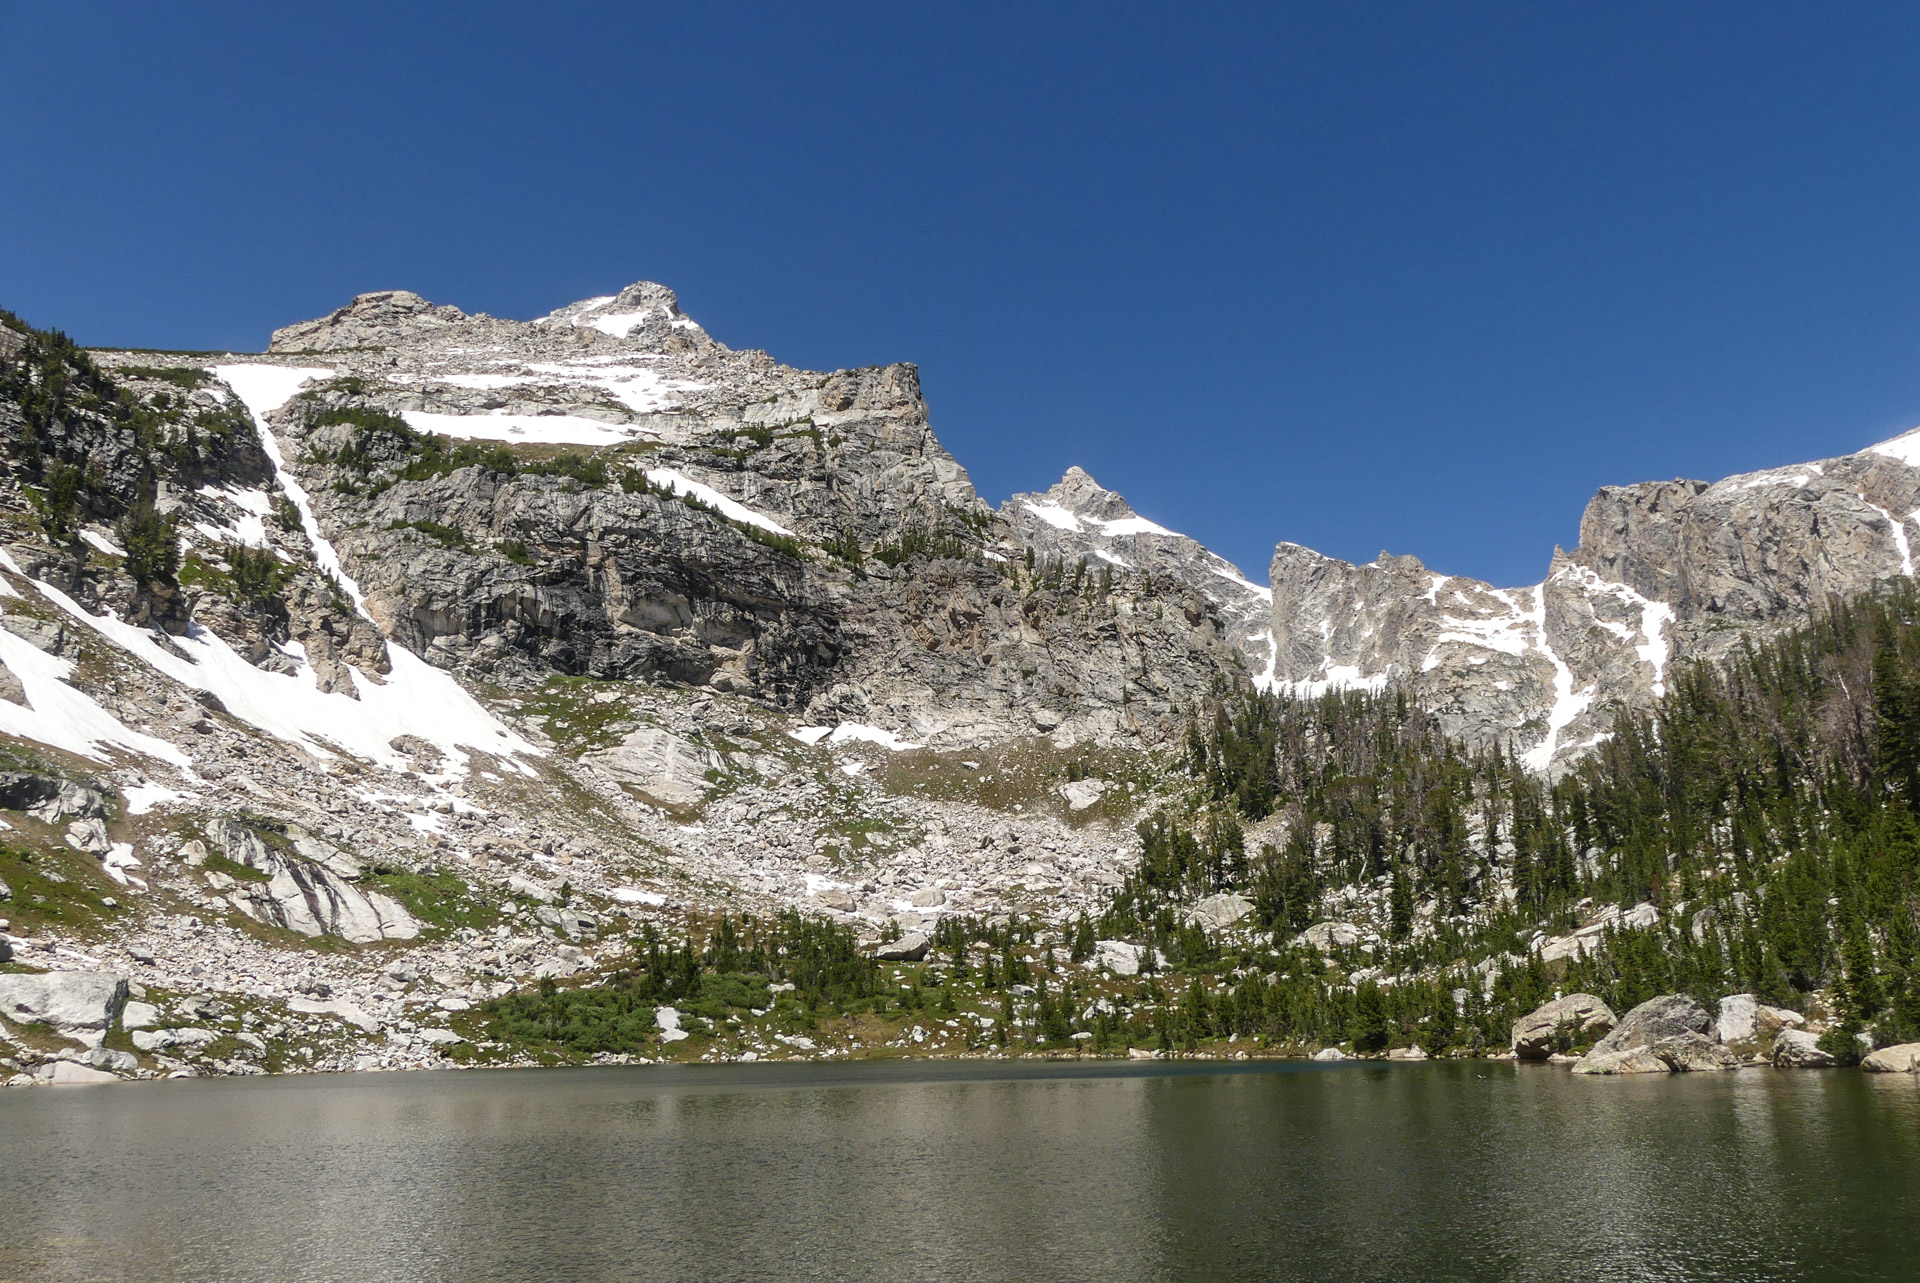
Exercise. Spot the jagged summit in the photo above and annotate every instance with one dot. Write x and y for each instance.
(644, 315)
(639, 305)
(1664, 571)
(1078, 517)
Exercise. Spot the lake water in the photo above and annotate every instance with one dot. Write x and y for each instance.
(967, 1171)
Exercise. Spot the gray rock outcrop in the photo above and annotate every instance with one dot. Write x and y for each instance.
(1798, 1049)
(1902, 1058)
(1747, 1027)
(1665, 572)
(1662, 1034)
(303, 896)
(81, 1005)
(1576, 1017)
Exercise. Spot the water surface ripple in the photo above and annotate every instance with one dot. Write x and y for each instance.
(967, 1172)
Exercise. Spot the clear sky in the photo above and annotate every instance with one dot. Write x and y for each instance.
(1360, 276)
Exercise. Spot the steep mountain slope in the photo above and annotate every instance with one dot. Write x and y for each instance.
(1078, 520)
(1665, 572)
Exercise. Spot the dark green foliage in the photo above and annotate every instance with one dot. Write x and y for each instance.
(1765, 806)
(286, 514)
(153, 545)
(258, 576)
(926, 541)
(59, 502)
(378, 437)
(434, 457)
(180, 376)
(729, 974)
(447, 536)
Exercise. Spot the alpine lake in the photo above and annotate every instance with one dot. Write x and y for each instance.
(968, 1170)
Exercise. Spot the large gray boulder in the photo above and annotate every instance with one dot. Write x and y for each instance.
(1649, 1029)
(81, 1005)
(1693, 1053)
(1903, 1058)
(911, 947)
(1748, 1027)
(48, 798)
(1220, 911)
(1798, 1049)
(661, 765)
(1581, 1015)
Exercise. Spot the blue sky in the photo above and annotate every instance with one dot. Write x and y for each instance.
(1414, 277)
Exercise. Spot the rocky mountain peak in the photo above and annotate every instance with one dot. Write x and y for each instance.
(641, 306)
(1079, 519)
(370, 320)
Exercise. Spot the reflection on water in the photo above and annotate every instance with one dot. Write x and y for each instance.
(958, 1172)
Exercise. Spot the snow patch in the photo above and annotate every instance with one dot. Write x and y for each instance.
(681, 484)
(103, 543)
(415, 699)
(1905, 448)
(1567, 703)
(853, 732)
(1054, 515)
(1899, 529)
(1132, 526)
(62, 717)
(142, 798)
(1337, 677)
(523, 429)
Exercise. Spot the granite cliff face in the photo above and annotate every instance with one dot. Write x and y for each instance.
(797, 537)
(1665, 572)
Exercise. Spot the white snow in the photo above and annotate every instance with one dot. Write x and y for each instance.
(142, 798)
(1132, 526)
(1905, 448)
(61, 717)
(485, 382)
(852, 732)
(1796, 477)
(1054, 515)
(1899, 529)
(1264, 682)
(103, 543)
(633, 895)
(1336, 677)
(523, 429)
(1567, 703)
(1104, 555)
(1508, 634)
(415, 699)
(620, 324)
(1654, 617)
(681, 484)
(1227, 570)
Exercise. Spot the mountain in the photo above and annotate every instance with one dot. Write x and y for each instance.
(1666, 572)
(433, 683)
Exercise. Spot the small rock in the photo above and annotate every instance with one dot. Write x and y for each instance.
(911, 947)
